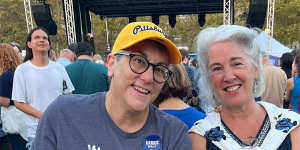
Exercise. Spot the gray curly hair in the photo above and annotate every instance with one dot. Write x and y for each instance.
(244, 37)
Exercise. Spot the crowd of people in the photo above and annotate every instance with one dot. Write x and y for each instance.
(147, 94)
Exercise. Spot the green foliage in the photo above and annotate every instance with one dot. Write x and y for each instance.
(114, 26)
(13, 24)
(287, 21)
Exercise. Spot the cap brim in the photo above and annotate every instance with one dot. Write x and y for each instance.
(173, 51)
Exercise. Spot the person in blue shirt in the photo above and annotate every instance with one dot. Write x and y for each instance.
(66, 57)
(173, 95)
(293, 86)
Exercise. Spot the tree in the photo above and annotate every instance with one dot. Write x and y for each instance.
(287, 21)
(12, 22)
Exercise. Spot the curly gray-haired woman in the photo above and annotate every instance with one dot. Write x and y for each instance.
(230, 63)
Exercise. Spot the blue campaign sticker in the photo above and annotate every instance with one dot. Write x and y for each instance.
(152, 142)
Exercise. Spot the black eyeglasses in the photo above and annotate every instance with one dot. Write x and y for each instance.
(139, 64)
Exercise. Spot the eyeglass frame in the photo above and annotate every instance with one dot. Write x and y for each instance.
(131, 55)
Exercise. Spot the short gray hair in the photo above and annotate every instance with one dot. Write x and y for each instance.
(66, 50)
(244, 37)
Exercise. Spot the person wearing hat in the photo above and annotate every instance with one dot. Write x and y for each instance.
(124, 117)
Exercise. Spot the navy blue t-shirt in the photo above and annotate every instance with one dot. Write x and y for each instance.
(6, 84)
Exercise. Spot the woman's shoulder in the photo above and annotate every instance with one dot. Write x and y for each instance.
(212, 120)
(7, 73)
(290, 80)
(282, 117)
(273, 110)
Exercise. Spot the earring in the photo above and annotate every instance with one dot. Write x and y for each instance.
(254, 86)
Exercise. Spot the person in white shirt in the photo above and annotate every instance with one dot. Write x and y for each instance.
(38, 81)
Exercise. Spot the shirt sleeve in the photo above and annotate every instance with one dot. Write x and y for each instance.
(19, 86)
(198, 128)
(69, 86)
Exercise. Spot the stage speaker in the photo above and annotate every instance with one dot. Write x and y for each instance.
(201, 19)
(172, 20)
(257, 13)
(42, 16)
(132, 19)
(155, 19)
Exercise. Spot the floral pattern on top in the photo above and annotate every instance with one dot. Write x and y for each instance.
(215, 134)
(284, 124)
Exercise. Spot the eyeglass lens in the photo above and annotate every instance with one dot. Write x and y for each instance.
(139, 65)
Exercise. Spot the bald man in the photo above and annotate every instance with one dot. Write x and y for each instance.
(66, 57)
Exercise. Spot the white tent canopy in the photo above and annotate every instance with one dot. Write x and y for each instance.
(275, 48)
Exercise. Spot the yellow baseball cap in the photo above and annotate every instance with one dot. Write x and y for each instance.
(136, 32)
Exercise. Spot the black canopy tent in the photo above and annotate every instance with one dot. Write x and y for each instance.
(125, 8)
(134, 8)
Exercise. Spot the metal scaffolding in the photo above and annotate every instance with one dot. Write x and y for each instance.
(269, 25)
(70, 23)
(227, 17)
(270, 17)
(28, 15)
